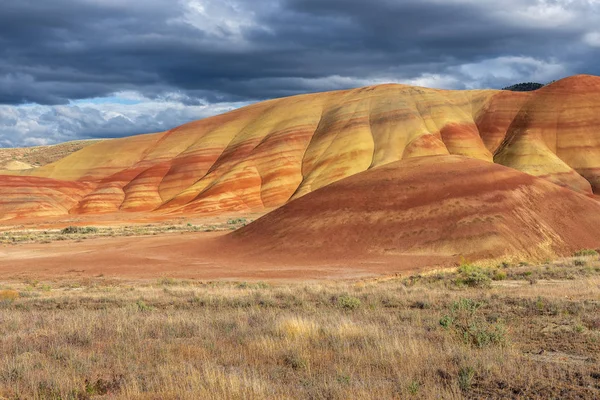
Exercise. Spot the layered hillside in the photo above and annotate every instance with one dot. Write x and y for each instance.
(264, 155)
(449, 206)
(556, 135)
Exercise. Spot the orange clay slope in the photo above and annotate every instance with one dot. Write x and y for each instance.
(261, 156)
(447, 206)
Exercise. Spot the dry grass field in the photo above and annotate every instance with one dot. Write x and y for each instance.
(23, 235)
(514, 331)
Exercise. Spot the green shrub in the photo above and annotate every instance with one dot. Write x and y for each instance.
(473, 276)
(524, 87)
(142, 306)
(166, 281)
(586, 253)
(413, 387)
(78, 229)
(579, 263)
(348, 302)
(257, 285)
(499, 276)
(464, 320)
(465, 378)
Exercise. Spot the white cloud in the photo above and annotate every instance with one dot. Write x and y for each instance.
(29, 125)
(493, 73)
(533, 13)
(332, 82)
(221, 20)
(184, 48)
(592, 39)
(540, 13)
(511, 69)
(437, 81)
(129, 112)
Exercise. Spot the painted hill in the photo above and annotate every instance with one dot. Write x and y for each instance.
(260, 157)
(449, 206)
(555, 135)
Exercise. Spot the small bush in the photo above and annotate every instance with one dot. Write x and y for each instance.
(348, 302)
(586, 253)
(166, 281)
(465, 378)
(465, 321)
(413, 387)
(499, 276)
(473, 276)
(237, 221)
(579, 263)
(142, 306)
(257, 285)
(69, 230)
(45, 288)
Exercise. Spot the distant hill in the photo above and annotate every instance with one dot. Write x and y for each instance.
(524, 87)
(14, 159)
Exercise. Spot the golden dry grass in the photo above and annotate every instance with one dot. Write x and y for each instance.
(423, 337)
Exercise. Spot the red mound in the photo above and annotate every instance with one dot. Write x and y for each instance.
(38, 197)
(441, 206)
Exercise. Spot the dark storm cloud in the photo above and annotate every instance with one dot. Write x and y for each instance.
(202, 52)
(60, 50)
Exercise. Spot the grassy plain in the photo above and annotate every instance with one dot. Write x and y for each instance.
(515, 331)
(22, 235)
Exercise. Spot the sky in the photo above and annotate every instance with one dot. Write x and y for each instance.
(81, 69)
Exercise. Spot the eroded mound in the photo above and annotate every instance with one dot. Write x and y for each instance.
(27, 196)
(556, 135)
(442, 206)
(260, 157)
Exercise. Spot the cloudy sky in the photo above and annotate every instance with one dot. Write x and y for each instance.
(78, 69)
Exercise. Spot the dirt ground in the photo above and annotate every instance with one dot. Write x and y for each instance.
(513, 331)
(146, 246)
(190, 255)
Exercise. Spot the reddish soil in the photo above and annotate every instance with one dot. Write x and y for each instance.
(190, 256)
(403, 217)
(450, 206)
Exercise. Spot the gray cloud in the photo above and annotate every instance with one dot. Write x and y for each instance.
(29, 125)
(197, 52)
